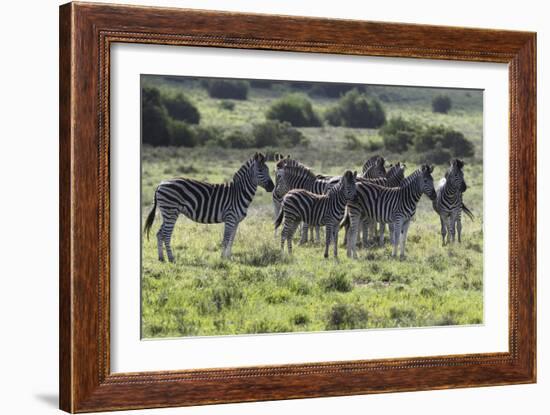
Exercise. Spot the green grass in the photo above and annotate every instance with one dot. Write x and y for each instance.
(262, 291)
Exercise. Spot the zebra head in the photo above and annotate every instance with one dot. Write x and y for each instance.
(348, 183)
(426, 181)
(455, 175)
(376, 170)
(262, 172)
(396, 173)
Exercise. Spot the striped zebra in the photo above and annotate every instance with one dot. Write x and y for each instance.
(396, 205)
(448, 203)
(297, 176)
(374, 168)
(208, 203)
(317, 210)
(394, 176)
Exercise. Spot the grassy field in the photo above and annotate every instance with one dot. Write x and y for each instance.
(260, 290)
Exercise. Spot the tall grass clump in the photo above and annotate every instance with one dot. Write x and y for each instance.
(347, 316)
(356, 110)
(294, 109)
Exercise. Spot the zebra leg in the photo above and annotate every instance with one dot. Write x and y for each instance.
(328, 239)
(396, 236)
(317, 234)
(459, 227)
(287, 233)
(404, 232)
(443, 229)
(335, 238)
(390, 230)
(354, 219)
(276, 210)
(159, 245)
(168, 222)
(230, 229)
(381, 236)
(365, 225)
(305, 231)
(452, 227)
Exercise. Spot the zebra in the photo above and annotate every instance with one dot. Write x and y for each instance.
(394, 176)
(448, 203)
(395, 205)
(300, 205)
(208, 203)
(298, 176)
(374, 168)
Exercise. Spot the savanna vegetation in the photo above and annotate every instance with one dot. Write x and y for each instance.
(262, 291)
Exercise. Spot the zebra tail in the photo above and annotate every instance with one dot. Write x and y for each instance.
(345, 221)
(279, 219)
(468, 212)
(151, 217)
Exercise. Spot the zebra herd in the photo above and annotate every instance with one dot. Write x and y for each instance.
(363, 202)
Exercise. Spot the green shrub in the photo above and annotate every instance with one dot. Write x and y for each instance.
(154, 118)
(207, 135)
(330, 90)
(294, 109)
(181, 134)
(441, 104)
(352, 142)
(337, 281)
(240, 139)
(274, 133)
(457, 144)
(453, 141)
(227, 89)
(437, 155)
(356, 110)
(398, 134)
(180, 108)
(347, 316)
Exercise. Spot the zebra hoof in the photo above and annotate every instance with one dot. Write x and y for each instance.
(161, 259)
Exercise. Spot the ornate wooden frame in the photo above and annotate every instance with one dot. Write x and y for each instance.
(86, 33)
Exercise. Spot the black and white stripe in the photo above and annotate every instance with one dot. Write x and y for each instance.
(396, 205)
(448, 203)
(394, 177)
(316, 210)
(374, 168)
(208, 203)
(294, 175)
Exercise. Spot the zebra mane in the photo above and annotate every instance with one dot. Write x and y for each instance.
(300, 169)
(243, 169)
(411, 177)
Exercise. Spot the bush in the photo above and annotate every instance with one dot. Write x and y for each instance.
(441, 104)
(208, 135)
(398, 134)
(261, 83)
(227, 89)
(347, 316)
(338, 281)
(330, 90)
(154, 118)
(294, 109)
(437, 155)
(180, 108)
(240, 139)
(356, 110)
(181, 134)
(451, 140)
(275, 133)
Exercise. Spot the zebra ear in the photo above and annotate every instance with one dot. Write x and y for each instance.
(459, 163)
(431, 168)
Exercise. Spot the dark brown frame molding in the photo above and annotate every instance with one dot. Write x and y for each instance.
(86, 33)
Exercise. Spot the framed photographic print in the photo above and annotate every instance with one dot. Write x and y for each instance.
(260, 207)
